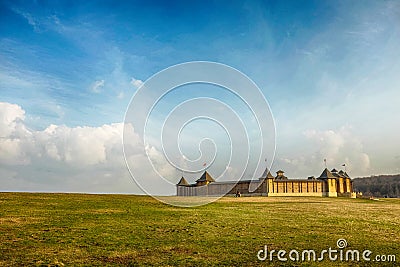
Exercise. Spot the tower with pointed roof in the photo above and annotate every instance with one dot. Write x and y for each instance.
(266, 181)
(267, 174)
(182, 182)
(280, 175)
(205, 179)
(183, 187)
(330, 185)
(347, 185)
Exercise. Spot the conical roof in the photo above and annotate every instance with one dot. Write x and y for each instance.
(335, 173)
(183, 182)
(206, 177)
(326, 174)
(267, 174)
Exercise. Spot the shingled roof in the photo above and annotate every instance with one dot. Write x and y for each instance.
(183, 182)
(267, 174)
(205, 178)
(326, 174)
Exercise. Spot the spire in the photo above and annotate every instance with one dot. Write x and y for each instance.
(267, 174)
(326, 174)
(205, 178)
(280, 175)
(335, 173)
(183, 182)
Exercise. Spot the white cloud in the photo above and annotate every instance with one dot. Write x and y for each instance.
(62, 158)
(97, 85)
(136, 83)
(10, 116)
(328, 142)
(76, 147)
(12, 134)
(337, 146)
(120, 95)
(158, 159)
(340, 147)
(11, 152)
(29, 18)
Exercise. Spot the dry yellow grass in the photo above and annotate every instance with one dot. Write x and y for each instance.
(123, 230)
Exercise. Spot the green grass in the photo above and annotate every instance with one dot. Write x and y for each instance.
(79, 229)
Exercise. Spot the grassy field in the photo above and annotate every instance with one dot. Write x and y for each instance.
(79, 229)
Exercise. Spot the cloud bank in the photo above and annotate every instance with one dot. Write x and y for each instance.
(90, 159)
(337, 146)
(61, 158)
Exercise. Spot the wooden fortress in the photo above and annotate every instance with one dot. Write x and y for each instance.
(329, 184)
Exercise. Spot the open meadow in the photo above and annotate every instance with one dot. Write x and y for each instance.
(82, 229)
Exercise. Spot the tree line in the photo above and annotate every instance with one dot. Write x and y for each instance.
(378, 186)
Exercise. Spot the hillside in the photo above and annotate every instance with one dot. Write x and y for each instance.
(378, 186)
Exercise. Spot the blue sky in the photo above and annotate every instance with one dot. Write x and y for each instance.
(70, 46)
(329, 70)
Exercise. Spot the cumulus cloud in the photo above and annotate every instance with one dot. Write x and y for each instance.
(97, 85)
(10, 116)
(12, 134)
(338, 147)
(136, 83)
(90, 159)
(62, 158)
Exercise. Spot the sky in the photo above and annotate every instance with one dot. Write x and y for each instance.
(69, 69)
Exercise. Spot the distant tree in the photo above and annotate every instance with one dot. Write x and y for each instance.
(379, 186)
(397, 190)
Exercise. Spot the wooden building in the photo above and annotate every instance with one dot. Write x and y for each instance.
(329, 184)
